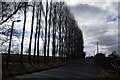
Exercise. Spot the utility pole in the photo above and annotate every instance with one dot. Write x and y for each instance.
(97, 48)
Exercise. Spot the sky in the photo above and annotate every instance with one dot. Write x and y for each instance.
(98, 22)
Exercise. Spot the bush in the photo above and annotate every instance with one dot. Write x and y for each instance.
(100, 58)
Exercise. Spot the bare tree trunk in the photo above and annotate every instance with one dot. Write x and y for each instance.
(39, 24)
(69, 44)
(45, 32)
(21, 55)
(57, 47)
(54, 32)
(29, 55)
(55, 43)
(60, 39)
(49, 32)
(62, 46)
(36, 32)
(66, 42)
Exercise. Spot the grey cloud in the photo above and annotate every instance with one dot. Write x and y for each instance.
(107, 40)
(97, 29)
(104, 40)
(89, 9)
(113, 48)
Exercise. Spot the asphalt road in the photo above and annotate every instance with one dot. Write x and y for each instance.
(84, 70)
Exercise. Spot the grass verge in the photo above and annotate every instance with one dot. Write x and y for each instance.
(17, 69)
(108, 74)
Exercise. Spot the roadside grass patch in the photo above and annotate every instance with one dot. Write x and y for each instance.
(18, 69)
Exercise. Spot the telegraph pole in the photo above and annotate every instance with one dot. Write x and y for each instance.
(97, 48)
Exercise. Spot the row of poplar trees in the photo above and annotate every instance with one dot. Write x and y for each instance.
(66, 38)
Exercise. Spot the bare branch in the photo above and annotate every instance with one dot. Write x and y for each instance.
(19, 6)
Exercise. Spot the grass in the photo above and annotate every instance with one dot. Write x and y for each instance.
(107, 74)
(17, 69)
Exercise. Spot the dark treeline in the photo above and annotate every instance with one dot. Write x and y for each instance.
(110, 62)
(66, 38)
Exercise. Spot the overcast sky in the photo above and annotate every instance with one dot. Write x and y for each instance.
(98, 22)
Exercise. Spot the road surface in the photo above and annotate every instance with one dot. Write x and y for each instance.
(85, 69)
